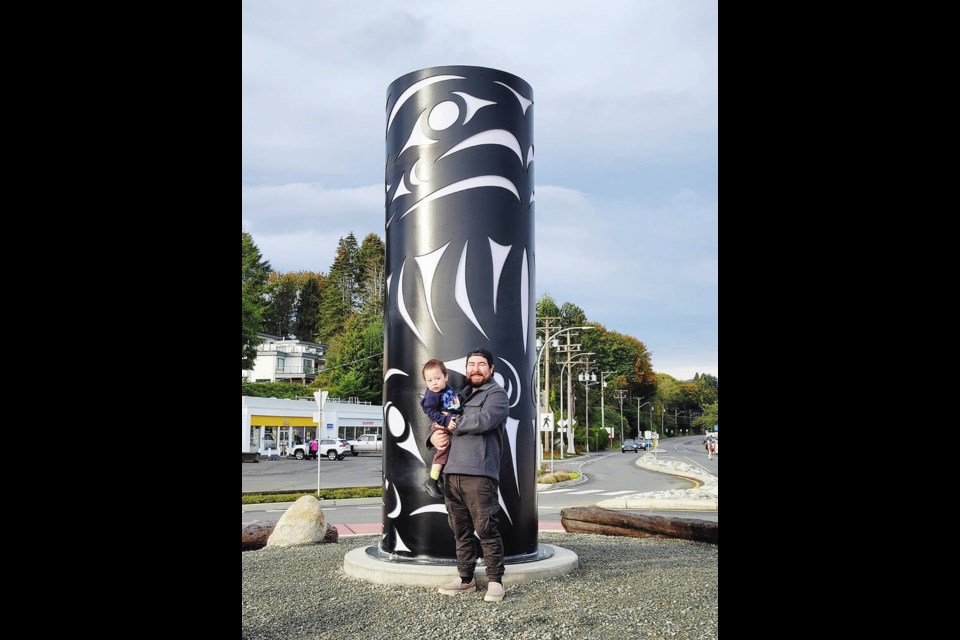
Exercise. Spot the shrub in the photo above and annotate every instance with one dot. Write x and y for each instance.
(266, 497)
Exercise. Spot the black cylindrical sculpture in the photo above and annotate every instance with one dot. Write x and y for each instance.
(460, 274)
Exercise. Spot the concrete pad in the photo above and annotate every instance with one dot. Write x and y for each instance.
(359, 564)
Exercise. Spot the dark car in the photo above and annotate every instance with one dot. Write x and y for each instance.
(630, 445)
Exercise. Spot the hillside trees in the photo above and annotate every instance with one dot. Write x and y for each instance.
(344, 309)
(355, 360)
(253, 280)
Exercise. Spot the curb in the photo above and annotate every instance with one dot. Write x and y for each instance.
(343, 502)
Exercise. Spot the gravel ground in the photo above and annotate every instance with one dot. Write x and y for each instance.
(624, 587)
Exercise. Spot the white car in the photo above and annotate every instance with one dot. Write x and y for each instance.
(334, 448)
(330, 448)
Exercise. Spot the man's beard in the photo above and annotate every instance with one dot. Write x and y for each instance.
(483, 380)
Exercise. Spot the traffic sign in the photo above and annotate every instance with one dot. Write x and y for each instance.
(547, 424)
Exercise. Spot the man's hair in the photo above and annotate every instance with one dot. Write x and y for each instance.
(433, 364)
(480, 351)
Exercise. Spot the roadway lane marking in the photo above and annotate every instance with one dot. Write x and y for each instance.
(580, 493)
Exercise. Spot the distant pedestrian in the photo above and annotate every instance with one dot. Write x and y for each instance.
(314, 448)
(711, 447)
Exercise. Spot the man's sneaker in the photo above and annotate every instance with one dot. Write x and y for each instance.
(458, 586)
(494, 592)
(433, 488)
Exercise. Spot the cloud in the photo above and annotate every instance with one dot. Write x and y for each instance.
(626, 133)
(298, 226)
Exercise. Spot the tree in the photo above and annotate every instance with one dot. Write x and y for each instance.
(307, 324)
(371, 260)
(340, 295)
(547, 307)
(710, 417)
(355, 360)
(571, 315)
(254, 273)
(282, 289)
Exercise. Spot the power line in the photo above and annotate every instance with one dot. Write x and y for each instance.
(340, 366)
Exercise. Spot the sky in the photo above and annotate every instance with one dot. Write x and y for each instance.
(626, 135)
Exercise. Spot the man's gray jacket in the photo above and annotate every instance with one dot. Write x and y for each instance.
(477, 442)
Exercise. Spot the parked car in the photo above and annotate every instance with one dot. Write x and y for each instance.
(630, 445)
(368, 442)
(334, 448)
(331, 448)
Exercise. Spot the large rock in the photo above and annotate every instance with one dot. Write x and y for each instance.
(302, 523)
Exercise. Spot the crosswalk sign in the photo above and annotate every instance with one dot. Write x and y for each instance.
(546, 422)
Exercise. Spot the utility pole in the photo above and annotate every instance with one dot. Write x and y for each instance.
(621, 394)
(585, 378)
(570, 349)
(546, 375)
(603, 385)
(639, 431)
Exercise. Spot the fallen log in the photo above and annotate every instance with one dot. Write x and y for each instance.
(615, 523)
(255, 534)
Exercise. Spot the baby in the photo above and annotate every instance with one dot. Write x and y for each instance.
(441, 404)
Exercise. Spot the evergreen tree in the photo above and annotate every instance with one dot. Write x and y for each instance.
(371, 260)
(254, 273)
(339, 297)
(306, 325)
(283, 291)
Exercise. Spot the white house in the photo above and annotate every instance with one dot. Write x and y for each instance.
(272, 425)
(286, 360)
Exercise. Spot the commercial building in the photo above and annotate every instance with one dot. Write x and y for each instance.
(272, 425)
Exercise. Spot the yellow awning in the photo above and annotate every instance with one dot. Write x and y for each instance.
(281, 421)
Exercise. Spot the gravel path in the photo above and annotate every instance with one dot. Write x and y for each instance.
(623, 588)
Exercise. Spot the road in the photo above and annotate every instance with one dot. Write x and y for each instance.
(608, 473)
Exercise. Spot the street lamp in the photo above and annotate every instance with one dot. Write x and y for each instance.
(571, 450)
(620, 395)
(543, 346)
(603, 385)
(639, 406)
(587, 379)
(536, 386)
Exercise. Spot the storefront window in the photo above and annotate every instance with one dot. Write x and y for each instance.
(269, 438)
